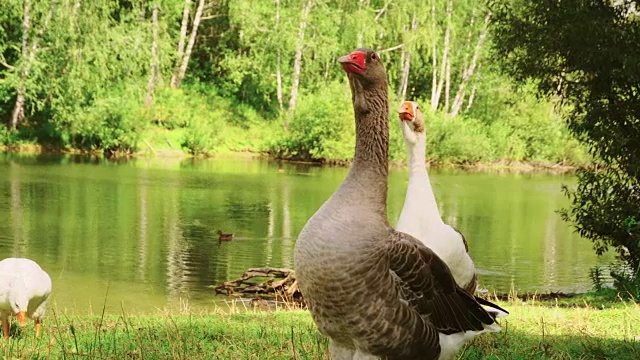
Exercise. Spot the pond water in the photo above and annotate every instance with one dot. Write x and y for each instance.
(139, 235)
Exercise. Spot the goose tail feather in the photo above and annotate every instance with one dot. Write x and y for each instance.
(494, 310)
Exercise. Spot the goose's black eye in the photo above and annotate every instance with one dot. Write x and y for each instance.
(374, 56)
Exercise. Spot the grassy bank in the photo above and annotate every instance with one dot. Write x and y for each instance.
(579, 328)
(197, 122)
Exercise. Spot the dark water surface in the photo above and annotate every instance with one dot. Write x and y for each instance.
(140, 234)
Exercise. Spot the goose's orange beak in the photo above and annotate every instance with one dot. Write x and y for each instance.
(406, 111)
(22, 318)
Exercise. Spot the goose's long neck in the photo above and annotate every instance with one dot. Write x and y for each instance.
(366, 182)
(420, 198)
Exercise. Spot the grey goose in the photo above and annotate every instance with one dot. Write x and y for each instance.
(375, 292)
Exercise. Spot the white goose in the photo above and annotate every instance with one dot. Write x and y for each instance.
(374, 291)
(24, 292)
(420, 216)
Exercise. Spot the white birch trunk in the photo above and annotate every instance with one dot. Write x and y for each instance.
(18, 110)
(153, 73)
(279, 60)
(471, 97)
(297, 63)
(469, 71)
(183, 36)
(192, 41)
(74, 16)
(402, 94)
(363, 28)
(434, 53)
(28, 56)
(447, 86)
(445, 54)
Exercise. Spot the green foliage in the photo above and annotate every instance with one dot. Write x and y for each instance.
(85, 83)
(201, 115)
(583, 64)
(6, 135)
(602, 204)
(627, 281)
(110, 125)
(322, 127)
(597, 278)
(456, 140)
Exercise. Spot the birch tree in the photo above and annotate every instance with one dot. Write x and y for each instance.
(154, 67)
(297, 63)
(469, 71)
(184, 54)
(435, 99)
(30, 48)
(406, 63)
(279, 96)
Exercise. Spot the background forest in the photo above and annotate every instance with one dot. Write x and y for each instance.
(215, 76)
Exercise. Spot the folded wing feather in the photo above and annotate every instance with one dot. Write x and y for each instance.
(429, 287)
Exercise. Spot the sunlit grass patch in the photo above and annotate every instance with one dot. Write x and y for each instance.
(542, 330)
(533, 330)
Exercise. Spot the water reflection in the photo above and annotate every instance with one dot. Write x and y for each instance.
(144, 229)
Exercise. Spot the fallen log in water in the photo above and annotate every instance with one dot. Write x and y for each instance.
(264, 287)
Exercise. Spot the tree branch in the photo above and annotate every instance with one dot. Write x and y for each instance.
(210, 17)
(10, 67)
(382, 11)
(391, 48)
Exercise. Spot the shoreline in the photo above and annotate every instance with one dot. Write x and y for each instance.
(508, 166)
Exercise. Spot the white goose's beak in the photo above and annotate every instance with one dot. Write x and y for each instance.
(22, 318)
(405, 112)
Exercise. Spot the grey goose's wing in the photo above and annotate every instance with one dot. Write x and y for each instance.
(427, 284)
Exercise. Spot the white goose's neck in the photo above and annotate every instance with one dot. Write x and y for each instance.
(417, 158)
(420, 201)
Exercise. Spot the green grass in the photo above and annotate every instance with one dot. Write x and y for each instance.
(534, 330)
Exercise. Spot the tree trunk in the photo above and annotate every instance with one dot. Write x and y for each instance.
(447, 86)
(18, 110)
(179, 76)
(468, 72)
(403, 62)
(74, 16)
(279, 60)
(183, 36)
(297, 63)
(153, 73)
(360, 40)
(404, 83)
(28, 56)
(434, 53)
(470, 101)
(445, 54)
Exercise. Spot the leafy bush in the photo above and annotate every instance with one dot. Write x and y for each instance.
(599, 84)
(605, 206)
(456, 139)
(110, 125)
(107, 126)
(203, 135)
(205, 126)
(7, 137)
(322, 127)
(197, 110)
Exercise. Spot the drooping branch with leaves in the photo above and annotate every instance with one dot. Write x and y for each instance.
(591, 63)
